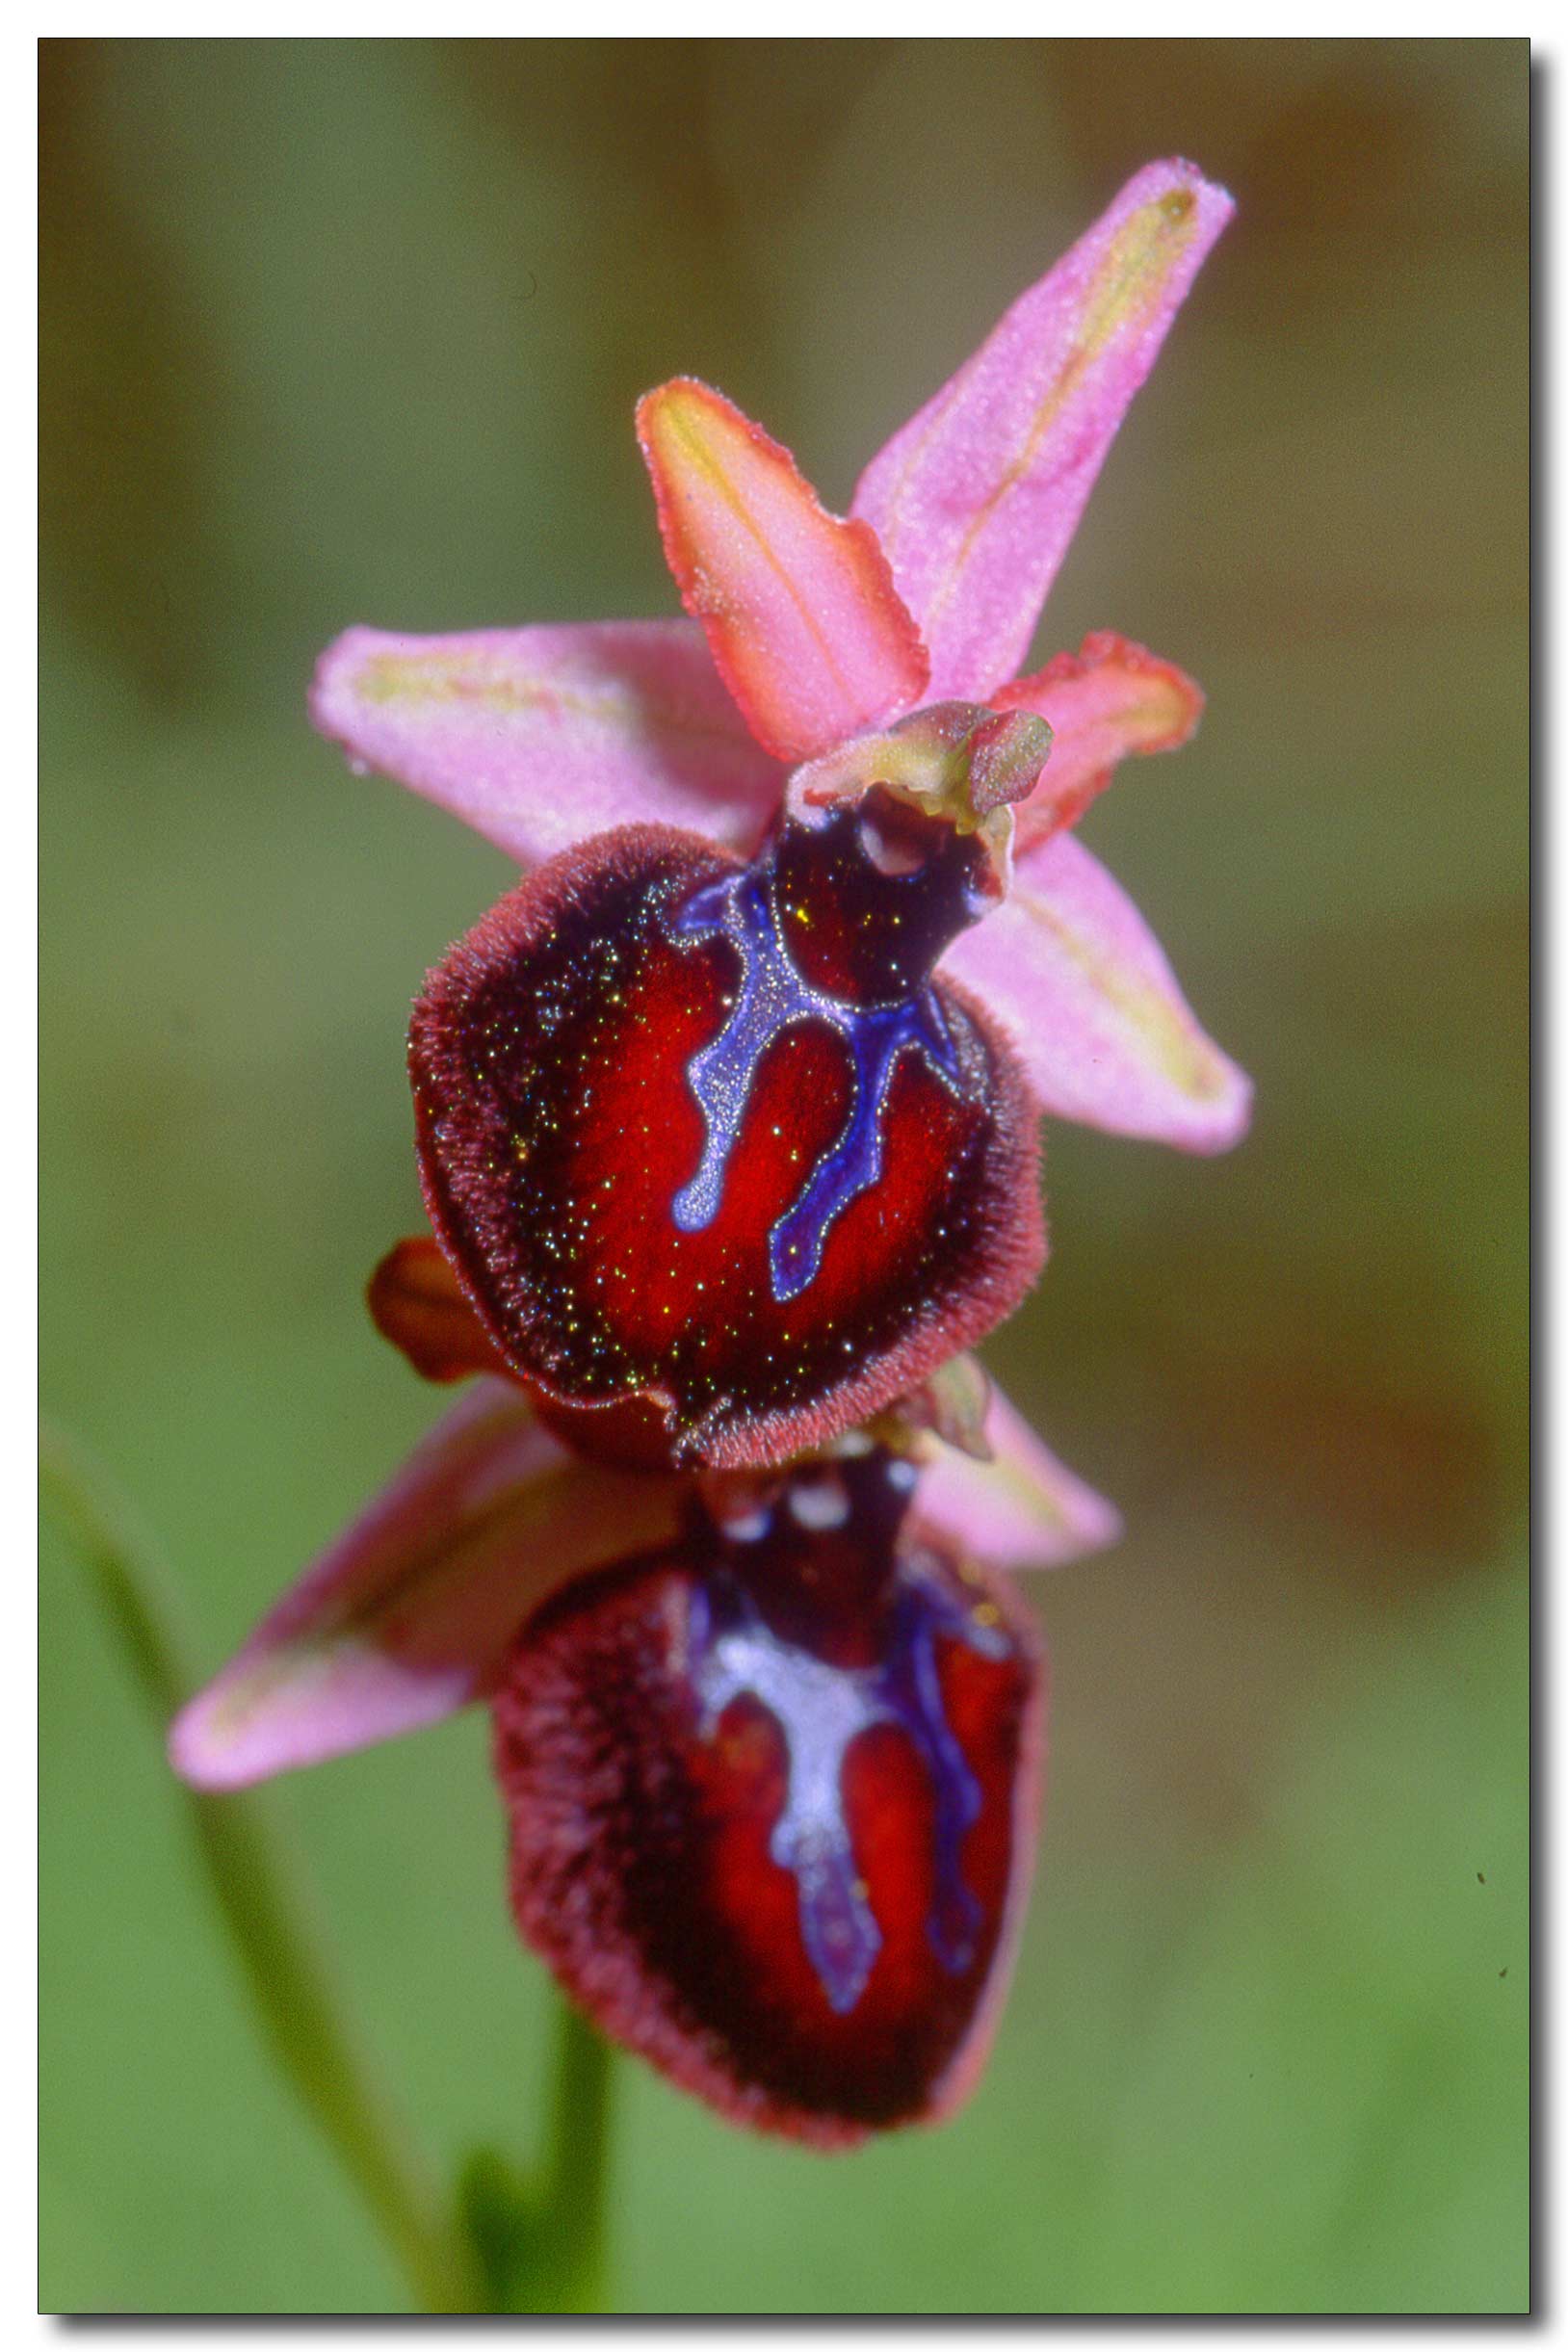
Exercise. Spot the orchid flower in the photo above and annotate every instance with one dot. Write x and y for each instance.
(719, 1228)
(727, 1126)
(770, 1744)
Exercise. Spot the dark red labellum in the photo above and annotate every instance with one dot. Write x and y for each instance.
(773, 1799)
(712, 1135)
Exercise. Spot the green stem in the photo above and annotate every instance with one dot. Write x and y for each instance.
(540, 2239)
(290, 1984)
(575, 2180)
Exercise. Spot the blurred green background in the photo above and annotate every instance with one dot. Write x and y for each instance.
(342, 332)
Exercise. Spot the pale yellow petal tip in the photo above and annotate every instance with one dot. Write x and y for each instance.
(686, 417)
(1133, 276)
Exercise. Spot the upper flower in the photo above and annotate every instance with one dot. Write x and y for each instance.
(599, 1068)
(540, 737)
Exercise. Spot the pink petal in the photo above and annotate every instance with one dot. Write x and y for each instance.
(976, 499)
(1021, 1510)
(410, 1613)
(1104, 702)
(800, 606)
(1078, 980)
(538, 738)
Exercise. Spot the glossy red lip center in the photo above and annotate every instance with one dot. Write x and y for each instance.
(712, 1135)
(771, 1798)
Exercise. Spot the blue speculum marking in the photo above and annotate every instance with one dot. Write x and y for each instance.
(769, 998)
(819, 1710)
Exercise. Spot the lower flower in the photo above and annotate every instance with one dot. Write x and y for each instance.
(772, 1792)
(770, 1742)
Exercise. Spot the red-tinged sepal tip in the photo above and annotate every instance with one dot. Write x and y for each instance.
(772, 1796)
(416, 1301)
(707, 1140)
(1105, 702)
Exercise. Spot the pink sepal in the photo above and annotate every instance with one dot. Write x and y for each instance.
(411, 1612)
(1021, 1510)
(1072, 972)
(538, 738)
(798, 605)
(976, 500)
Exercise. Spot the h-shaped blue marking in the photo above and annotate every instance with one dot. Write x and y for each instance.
(770, 995)
(819, 1710)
